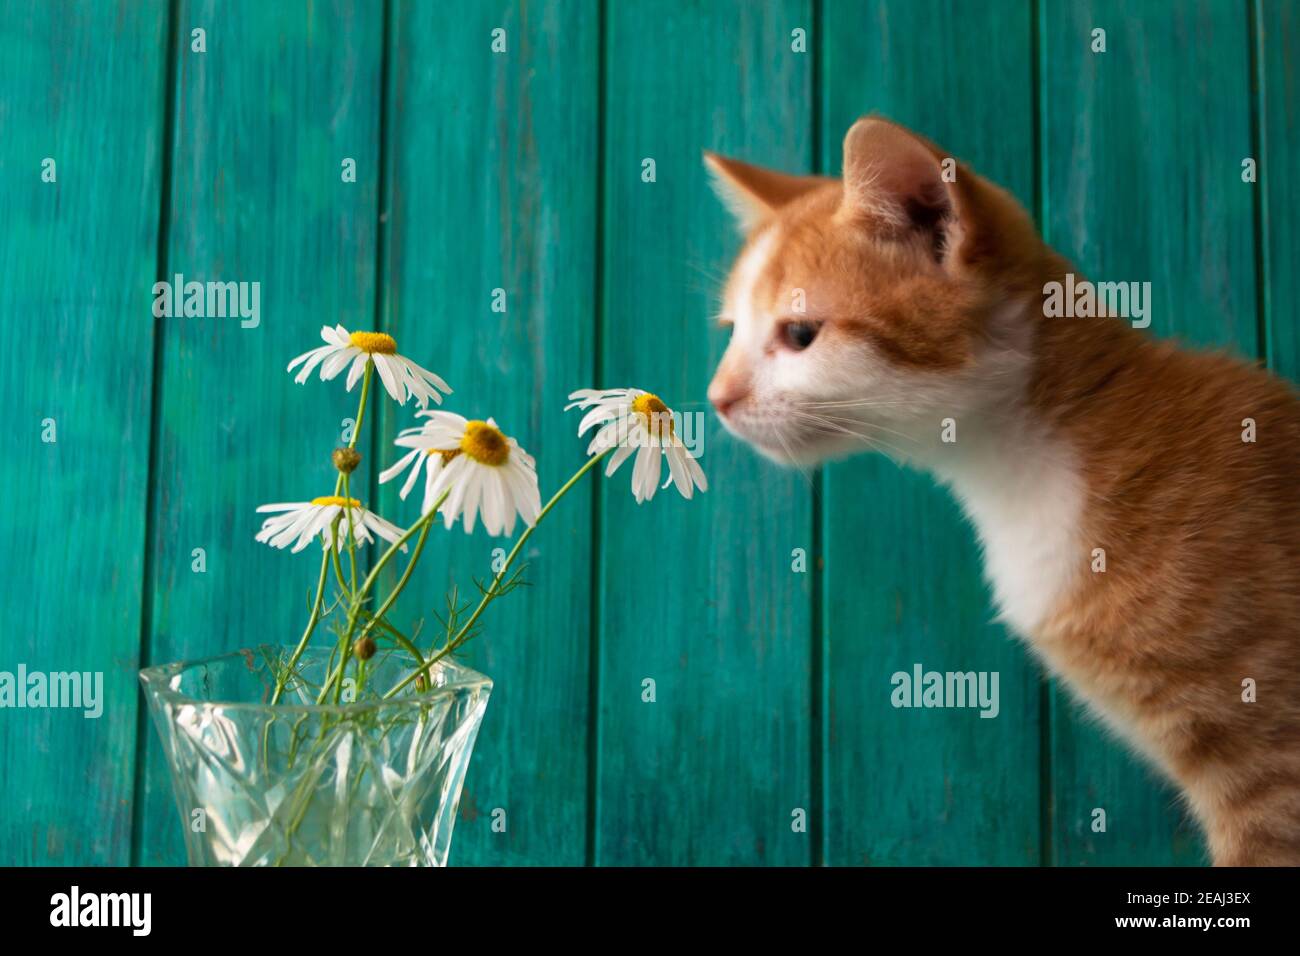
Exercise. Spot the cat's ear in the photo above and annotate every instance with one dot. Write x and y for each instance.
(753, 193)
(894, 177)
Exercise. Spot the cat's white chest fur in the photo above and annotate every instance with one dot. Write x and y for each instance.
(1024, 493)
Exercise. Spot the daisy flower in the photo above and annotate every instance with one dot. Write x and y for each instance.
(634, 420)
(402, 378)
(302, 521)
(485, 470)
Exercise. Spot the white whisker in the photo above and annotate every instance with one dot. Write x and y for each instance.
(837, 419)
(790, 454)
(868, 440)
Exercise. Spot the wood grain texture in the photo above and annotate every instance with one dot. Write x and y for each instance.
(80, 84)
(522, 171)
(263, 122)
(699, 595)
(1277, 51)
(902, 576)
(1142, 149)
(492, 160)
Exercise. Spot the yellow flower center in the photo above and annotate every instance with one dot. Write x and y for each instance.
(374, 342)
(336, 500)
(656, 414)
(485, 444)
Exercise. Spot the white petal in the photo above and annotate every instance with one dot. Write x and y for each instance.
(415, 438)
(495, 506)
(406, 382)
(452, 477)
(317, 525)
(359, 533)
(337, 363)
(301, 521)
(389, 473)
(678, 473)
(524, 494)
(426, 382)
(439, 415)
(474, 479)
(639, 471)
(618, 458)
(601, 413)
(385, 529)
(439, 437)
(288, 529)
(697, 473)
(390, 380)
(652, 477)
(305, 355)
(586, 397)
(511, 504)
(424, 461)
(358, 367)
(313, 359)
(606, 438)
(583, 397)
(519, 454)
(271, 527)
(430, 484)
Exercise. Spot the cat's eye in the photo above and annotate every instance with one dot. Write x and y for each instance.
(797, 334)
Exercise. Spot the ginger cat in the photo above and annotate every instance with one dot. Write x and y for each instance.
(924, 299)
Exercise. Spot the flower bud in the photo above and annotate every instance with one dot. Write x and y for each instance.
(365, 648)
(422, 683)
(346, 459)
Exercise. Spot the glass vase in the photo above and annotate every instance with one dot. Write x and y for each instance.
(369, 783)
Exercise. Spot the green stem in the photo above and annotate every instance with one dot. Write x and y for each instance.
(330, 554)
(401, 583)
(385, 625)
(361, 416)
(491, 591)
(345, 481)
(283, 678)
(396, 635)
(338, 571)
(345, 477)
(306, 634)
(359, 597)
(361, 409)
(352, 538)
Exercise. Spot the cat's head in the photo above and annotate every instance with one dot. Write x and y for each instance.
(866, 310)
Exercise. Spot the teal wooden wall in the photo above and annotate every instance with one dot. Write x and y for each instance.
(522, 171)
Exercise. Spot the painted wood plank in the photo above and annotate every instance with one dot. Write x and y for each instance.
(493, 169)
(263, 122)
(1142, 149)
(698, 596)
(82, 84)
(902, 576)
(1277, 45)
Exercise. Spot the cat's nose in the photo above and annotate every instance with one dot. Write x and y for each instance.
(724, 394)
